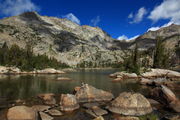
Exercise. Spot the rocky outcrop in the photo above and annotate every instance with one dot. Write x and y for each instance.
(9, 70)
(68, 103)
(49, 71)
(161, 73)
(128, 103)
(21, 113)
(48, 98)
(89, 93)
(123, 75)
(15, 70)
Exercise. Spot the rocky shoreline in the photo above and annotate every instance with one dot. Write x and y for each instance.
(95, 104)
(15, 70)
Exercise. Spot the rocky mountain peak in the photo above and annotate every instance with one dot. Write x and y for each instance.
(30, 15)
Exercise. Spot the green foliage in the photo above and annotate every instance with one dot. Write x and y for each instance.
(149, 117)
(25, 59)
(161, 55)
(131, 62)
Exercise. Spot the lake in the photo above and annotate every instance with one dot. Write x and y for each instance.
(25, 86)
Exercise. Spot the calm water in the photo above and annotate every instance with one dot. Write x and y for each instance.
(26, 86)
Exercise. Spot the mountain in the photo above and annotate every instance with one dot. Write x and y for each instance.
(169, 34)
(59, 38)
(74, 44)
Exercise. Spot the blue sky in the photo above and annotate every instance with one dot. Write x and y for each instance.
(120, 18)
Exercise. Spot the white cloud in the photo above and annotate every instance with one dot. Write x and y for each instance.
(168, 9)
(15, 7)
(124, 37)
(159, 27)
(95, 21)
(72, 18)
(138, 17)
(130, 15)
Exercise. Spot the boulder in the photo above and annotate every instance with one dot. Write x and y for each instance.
(161, 73)
(40, 108)
(48, 98)
(175, 105)
(170, 96)
(163, 94)
(21, 113)
(89, 93)
(45, 116)
(123, 75)
(68, 103)
(128, 103)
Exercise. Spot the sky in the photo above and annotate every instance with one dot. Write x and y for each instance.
(122, 19)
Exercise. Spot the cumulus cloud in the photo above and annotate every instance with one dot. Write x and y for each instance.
(159, 27)
(124, 37)
(72, 18)
(15, 7)
(95, 21)
(168, 9)
(138, 17)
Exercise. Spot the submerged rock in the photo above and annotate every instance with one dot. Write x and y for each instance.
(64, 79)
(68, 102)
(48, 98)
(89, 93)
(128, 103)
(21, 113)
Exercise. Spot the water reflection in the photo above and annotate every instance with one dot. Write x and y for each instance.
(25, 86)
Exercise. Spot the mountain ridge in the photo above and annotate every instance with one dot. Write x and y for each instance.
(74, 44)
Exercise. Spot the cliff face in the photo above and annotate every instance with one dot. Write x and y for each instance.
(73, 44)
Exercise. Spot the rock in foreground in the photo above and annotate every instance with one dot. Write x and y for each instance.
(48, 98)
(68, 103)
(21, 113)
(128, 103)
(89, 93)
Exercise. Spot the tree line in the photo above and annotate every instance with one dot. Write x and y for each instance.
(25, 59)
